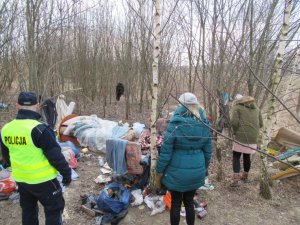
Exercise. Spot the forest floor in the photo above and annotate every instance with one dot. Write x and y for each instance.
(226, 206)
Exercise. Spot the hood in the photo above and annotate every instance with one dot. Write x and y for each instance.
(189, 126)
(182, 112)
(249, 105)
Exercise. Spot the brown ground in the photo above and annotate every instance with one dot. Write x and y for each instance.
(242, 206)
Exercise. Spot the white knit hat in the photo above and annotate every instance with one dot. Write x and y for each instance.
(238, 97)
(188, 99)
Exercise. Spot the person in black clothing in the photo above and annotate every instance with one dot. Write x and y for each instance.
(48, 112)
(30, 148)
(119, 91)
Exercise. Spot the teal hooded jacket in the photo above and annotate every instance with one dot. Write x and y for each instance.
(185, 153)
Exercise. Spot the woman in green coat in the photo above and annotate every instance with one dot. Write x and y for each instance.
(246, 120)
(184, 157)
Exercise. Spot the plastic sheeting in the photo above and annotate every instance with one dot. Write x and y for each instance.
(90, 131)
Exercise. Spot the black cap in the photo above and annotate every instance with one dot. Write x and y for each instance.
(27, 98)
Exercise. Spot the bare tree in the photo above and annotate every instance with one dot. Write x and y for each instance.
(32, 16)
(8, 11)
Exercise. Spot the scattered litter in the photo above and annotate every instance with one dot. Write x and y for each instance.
(99, 220)
(101, 160)
(88, 210)
(208, 187)
(85, 150)
(137, 194)
(182, 212)
(201, 212)
(3, 197)
(141, 207)
(105, 171)
(4, 174)
(155, 203)
(14, 197)
(101, 179)
(106, 166)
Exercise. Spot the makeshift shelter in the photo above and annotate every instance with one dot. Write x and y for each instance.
(285, 146)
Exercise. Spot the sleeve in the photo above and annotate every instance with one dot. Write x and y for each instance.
(44, 138)
(234, 119)
(5, 153)
(166, 150)
(261, 123)
(207, 150)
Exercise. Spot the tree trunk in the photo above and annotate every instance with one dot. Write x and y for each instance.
(287, 86)
(267, 132)
(156, 55)
(251, 52)
(32, 11)
(212, 52)
(298, 107)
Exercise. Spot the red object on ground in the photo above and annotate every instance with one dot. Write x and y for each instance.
(7, 186)
(202, 214)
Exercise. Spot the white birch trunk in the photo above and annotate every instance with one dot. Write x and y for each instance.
(277, 72)
(269, 129)
(288, 94)
(156, 54)
(296, 69)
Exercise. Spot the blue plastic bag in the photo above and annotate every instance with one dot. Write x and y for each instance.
(71, 145)
(116, 202)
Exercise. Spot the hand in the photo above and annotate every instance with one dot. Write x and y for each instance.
(66, 181)
(158, 181)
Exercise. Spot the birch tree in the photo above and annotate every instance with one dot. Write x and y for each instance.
(268, 130)
(156, 56)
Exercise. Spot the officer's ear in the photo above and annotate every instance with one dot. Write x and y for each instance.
(18, 106)
(38, 107)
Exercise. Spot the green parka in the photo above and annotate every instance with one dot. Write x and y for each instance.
(246, 120)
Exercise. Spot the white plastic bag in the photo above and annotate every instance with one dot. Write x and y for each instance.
(138, 197)
(155, 203)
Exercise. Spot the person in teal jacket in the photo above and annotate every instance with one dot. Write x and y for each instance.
(184, 157)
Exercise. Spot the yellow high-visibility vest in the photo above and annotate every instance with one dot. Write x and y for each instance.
(28, 163)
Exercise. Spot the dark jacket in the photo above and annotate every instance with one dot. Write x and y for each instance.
(43, 137)
(185, 153)
(246, 120)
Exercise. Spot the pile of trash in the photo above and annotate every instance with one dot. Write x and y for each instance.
(285, 146)
(112, 202)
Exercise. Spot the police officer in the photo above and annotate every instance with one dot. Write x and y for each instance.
(30, 148)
